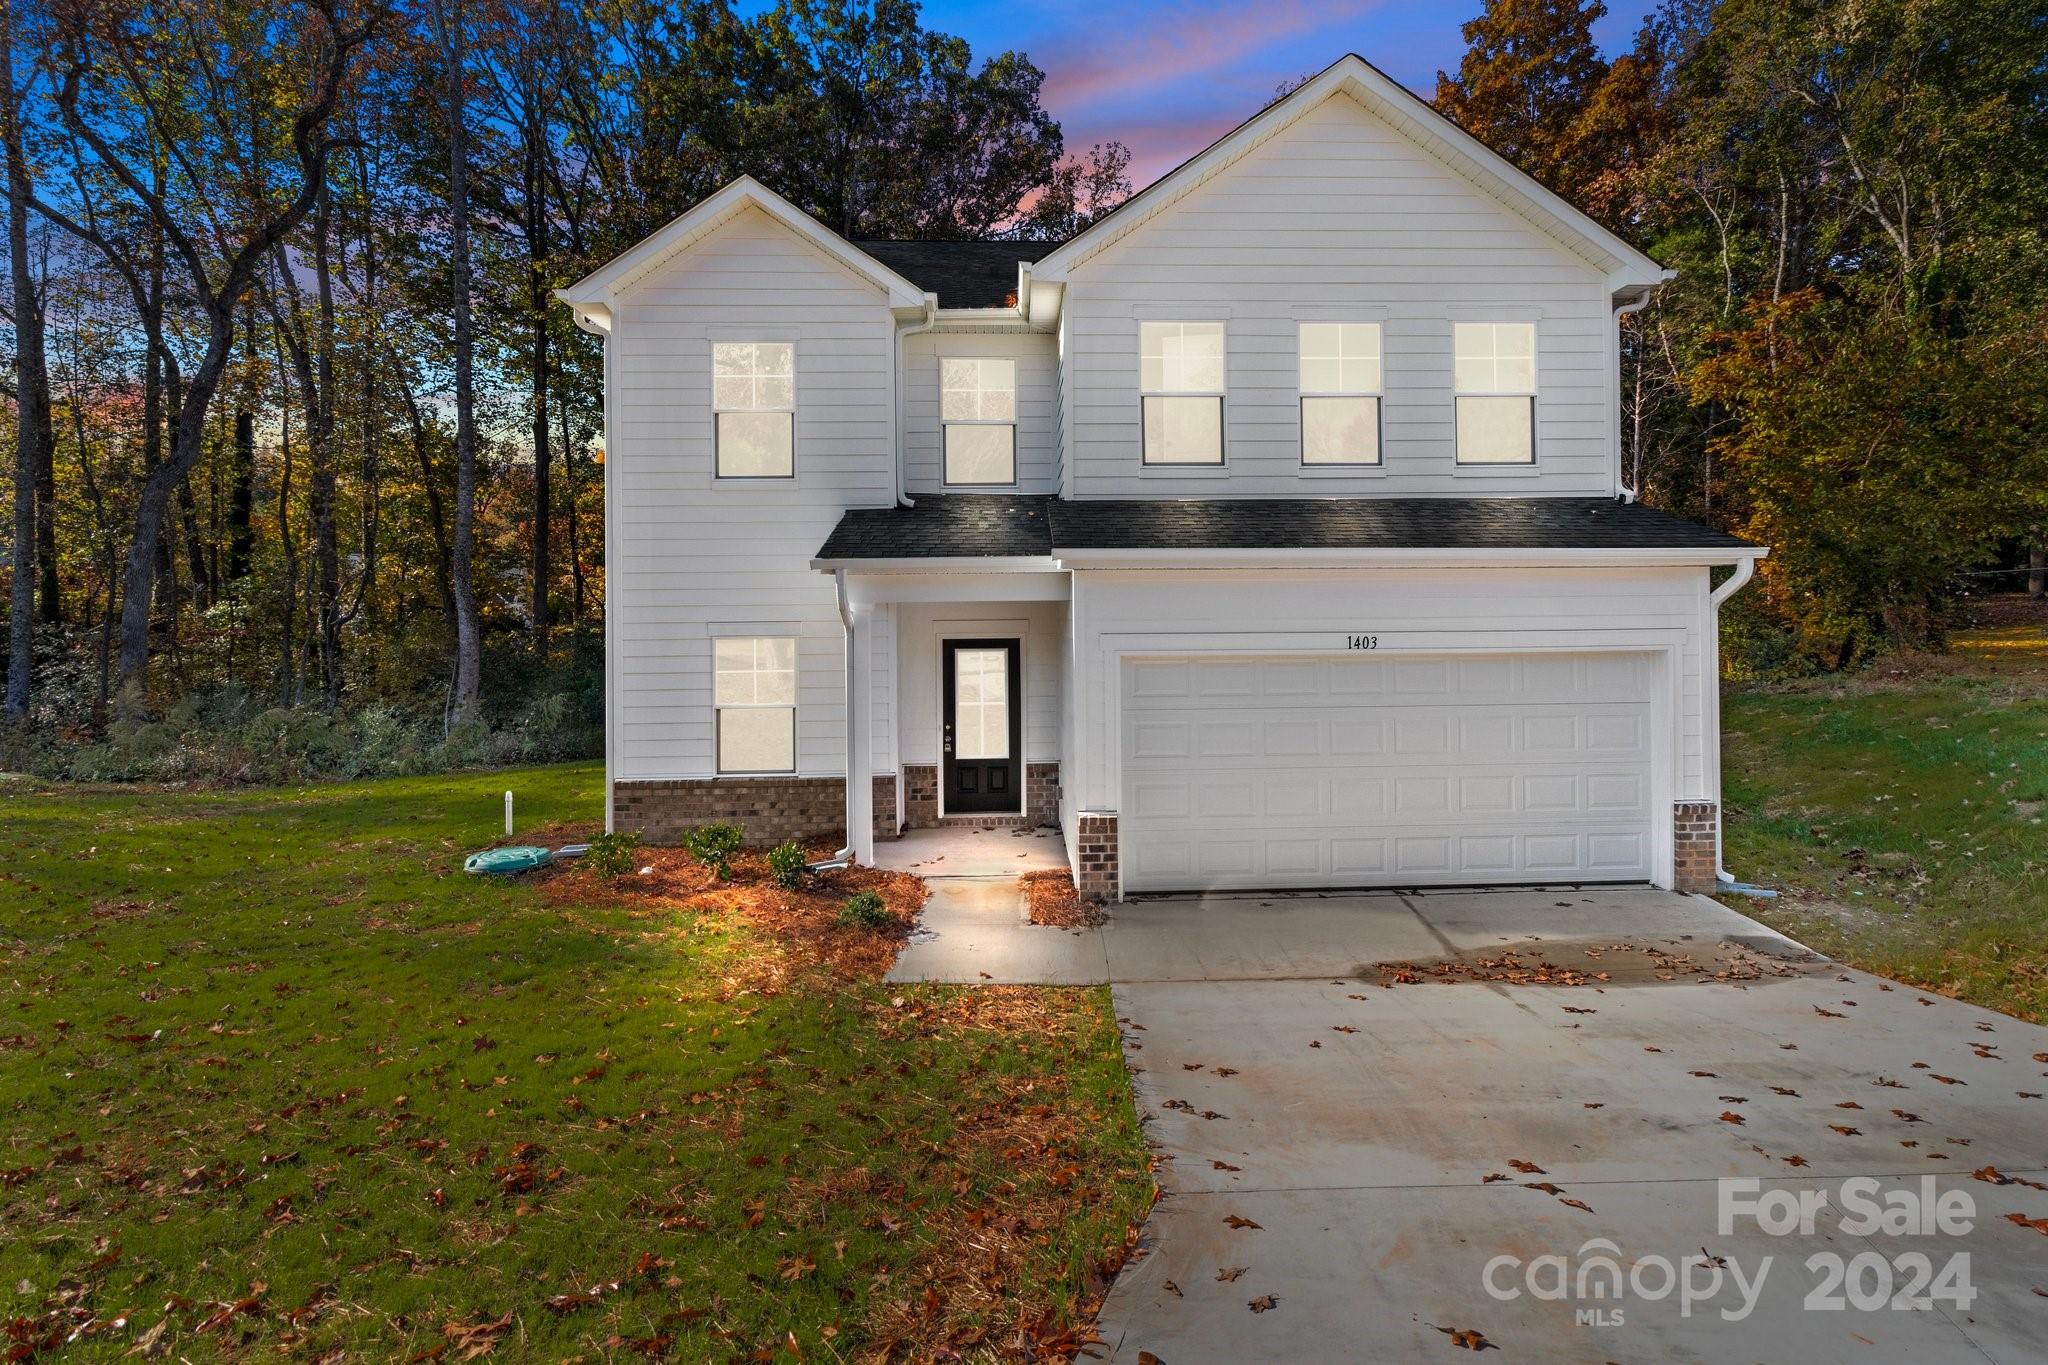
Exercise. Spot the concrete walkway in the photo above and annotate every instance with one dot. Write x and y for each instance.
(975, 927)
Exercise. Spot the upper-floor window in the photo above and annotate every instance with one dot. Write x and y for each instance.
(1496, 392)
(753, 401)
(1340, 393)
(1180, 375)
(753, 698)
(978, 409)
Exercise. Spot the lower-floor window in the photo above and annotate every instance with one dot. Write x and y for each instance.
(754, 699)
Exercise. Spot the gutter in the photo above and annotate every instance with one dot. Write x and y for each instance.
(1432, 557)
(930, 320)
(1744, 571)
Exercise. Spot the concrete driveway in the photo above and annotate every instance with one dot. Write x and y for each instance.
(1346, 1148)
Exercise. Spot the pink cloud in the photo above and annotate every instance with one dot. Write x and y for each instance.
(1192, 40)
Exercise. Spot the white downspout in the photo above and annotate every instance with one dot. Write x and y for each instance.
(930, 320)
(1621, 311)
(846, 622)
(1745, 570)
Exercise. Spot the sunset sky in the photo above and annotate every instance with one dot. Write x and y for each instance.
(1166, 77)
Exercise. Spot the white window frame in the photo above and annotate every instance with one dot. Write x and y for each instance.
(1378, 393)
(946, 424)
(719, 410)
(1459, 393)
(1219, 393)
(718, 708)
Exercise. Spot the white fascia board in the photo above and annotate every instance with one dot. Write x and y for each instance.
(1404, 559)
(608, 281)
(947, 565)
(1398, 107)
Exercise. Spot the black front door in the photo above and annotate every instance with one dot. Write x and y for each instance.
(984, 728)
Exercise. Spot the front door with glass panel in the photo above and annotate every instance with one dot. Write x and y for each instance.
(983, 728)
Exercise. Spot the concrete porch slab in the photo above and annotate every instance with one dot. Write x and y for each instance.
(958, 851)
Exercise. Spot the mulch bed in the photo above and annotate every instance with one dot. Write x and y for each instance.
(804, 922)
(1052, 899)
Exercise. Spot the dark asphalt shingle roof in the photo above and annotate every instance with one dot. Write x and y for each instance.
(979, 525)
(1379, 524)
(963, 525)
(962, 274)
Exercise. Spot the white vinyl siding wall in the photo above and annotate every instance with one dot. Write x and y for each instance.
(693, 557)
(1278, 612)
(1037, 401)
(1338, 218)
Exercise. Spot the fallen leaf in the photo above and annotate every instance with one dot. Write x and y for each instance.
(1527, 1167)
(1225, 1274)
(1234, 1221)
(1728, 1116)
(1468, 1339)
(1263, 1303)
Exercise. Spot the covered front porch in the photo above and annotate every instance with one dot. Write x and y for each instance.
(954, 694)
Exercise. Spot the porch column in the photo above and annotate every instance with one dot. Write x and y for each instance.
(860, 734)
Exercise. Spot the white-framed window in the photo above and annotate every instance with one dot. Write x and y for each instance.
(1180, 380)
(1496, 392)
(978, 416)
(753, 403)
(1340, 393)
(753, 694)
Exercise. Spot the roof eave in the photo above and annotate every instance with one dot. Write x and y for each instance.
(947, 564)
(603, 285)
(1417, 557)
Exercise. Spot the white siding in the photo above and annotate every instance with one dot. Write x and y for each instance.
(1040, 625)
(1037, 379)
(1338, 217)
(1126, 614)
(692, 556)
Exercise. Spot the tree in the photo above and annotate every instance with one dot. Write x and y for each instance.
(1082, 190)
(1524, 84)
(130, 105)
(31, 385)
(451, 37)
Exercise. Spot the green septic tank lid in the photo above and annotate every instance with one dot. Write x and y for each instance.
(507, 862)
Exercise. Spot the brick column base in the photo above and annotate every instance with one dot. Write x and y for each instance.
(920, 795)
(885, 807)
(1095, 855)
(1694, 827)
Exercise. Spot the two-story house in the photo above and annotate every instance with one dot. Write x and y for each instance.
(1269, 533)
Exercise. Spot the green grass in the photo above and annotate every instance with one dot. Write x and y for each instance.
(1903, 813)
(277, 1038)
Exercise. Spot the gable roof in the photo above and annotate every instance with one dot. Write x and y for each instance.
(591, 297)
(1412, 117)
(962, 274)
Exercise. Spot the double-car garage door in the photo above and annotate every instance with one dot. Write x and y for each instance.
(1249, 773)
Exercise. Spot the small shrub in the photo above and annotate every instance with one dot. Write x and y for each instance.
(865, 910)
(611, 855)
(713, 845)
(786, 865)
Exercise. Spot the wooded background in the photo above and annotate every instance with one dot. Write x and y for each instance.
(308, 471)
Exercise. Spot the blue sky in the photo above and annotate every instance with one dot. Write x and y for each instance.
(1166, 77)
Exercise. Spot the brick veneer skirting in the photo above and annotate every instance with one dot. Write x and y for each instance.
(921, 799)
(1694, 825)
(767, 809)
(1095, 855)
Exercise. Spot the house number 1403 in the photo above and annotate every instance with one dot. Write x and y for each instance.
(1361, 642)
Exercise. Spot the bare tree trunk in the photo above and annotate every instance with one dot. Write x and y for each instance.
(463, 704)
(437, 516)
(536, 229)
(242, 499)
(320, 432)
(2037, 568)
(575, 549)
(32, 387)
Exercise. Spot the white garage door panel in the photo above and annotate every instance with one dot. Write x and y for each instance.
(1249, 773)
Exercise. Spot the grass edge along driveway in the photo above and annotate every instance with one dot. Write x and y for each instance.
(274, 1073)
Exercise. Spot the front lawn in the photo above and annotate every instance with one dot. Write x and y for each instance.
(275, 1073)
(1901, 811)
